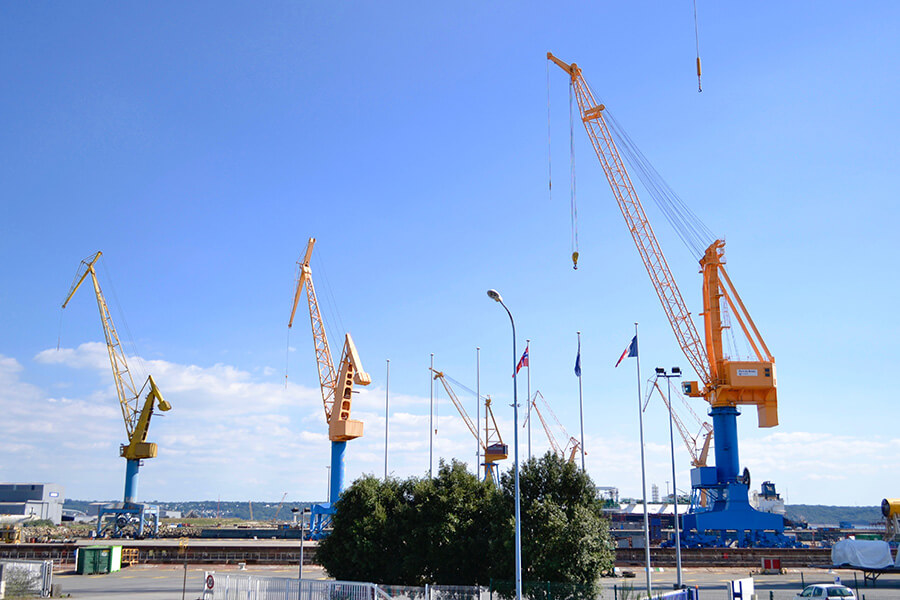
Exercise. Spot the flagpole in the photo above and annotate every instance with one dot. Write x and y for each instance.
(528, 418)
(387, 399)
(478, 411)
(643, 469)
(581, 404)
(431, 418)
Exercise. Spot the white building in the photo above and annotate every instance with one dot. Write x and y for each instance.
(38, 500)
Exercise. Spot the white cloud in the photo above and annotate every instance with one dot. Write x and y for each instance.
(236, 435)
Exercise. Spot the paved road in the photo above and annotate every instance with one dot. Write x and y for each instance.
(160, 582)
(164, 582)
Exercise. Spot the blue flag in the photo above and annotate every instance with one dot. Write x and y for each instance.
(578, 360)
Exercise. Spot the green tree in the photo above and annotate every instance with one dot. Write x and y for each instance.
(564, 537)
(412, 532)
(455, 529)
(453, 526)
(368, 540)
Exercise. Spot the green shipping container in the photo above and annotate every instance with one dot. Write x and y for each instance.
(93, 560)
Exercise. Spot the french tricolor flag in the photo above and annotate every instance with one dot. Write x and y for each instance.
(630, 352)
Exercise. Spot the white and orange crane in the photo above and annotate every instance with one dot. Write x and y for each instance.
(337, 391)
(572, 445)
(724, 383)
(492, 447)
(129, 518)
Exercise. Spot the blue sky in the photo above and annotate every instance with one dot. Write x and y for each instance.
(199, 146)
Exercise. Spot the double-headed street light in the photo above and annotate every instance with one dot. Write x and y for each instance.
(675, 372)
(495, 295)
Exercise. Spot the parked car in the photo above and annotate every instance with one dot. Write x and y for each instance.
(821, 591)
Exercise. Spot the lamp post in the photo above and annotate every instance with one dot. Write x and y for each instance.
(495, 295)
(675, 372)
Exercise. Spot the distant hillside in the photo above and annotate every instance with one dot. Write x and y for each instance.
(818, 514)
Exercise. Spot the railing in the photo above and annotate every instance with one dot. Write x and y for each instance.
(250, 587)
(26, 577)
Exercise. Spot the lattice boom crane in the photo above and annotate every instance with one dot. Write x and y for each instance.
(492, 446)
(336, 384)
(724, 383)
(137, 408)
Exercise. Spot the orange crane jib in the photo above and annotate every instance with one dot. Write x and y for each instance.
(724, 382)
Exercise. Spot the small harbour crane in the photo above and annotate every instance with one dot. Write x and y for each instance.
(572, 446)
(492, 447)
(337, 391)
(128, 517)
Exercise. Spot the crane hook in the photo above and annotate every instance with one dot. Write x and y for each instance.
(575, 260)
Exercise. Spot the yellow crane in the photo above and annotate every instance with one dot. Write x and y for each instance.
(724, 383)
(137, 409)
(492, 447)
(572, 446)
(336, 386)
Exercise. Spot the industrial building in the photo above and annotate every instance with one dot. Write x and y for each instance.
(42, 500)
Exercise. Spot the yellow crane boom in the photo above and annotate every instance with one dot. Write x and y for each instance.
(136, 414)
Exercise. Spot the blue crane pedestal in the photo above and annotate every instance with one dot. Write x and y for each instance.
(727, 516)
(129, 518)
(320, 515)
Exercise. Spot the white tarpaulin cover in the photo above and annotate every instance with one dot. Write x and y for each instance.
(868, 554)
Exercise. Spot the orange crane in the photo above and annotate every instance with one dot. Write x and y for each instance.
(724, 383)
(492, 446)
(337, 390)
(571, 446)
(278, 510)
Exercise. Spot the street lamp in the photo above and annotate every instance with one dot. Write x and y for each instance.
(675, 372)
(495, 295)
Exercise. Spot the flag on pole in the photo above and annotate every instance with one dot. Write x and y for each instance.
(630, 352)
(578, 360)
(523, 362)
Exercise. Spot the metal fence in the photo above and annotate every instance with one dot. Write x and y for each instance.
(250, 587)
(26, 577)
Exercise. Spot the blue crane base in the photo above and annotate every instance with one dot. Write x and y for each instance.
(120, 519)
(320, 515)
(129, 518)
(727, 519)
